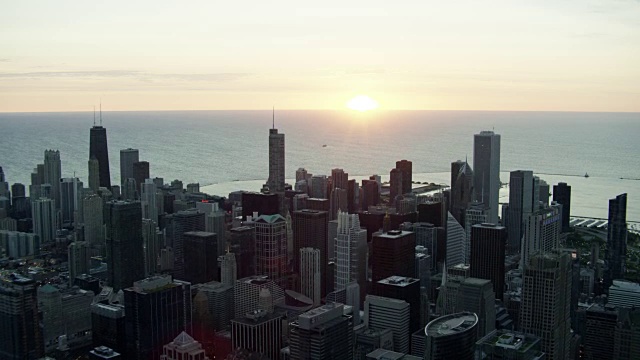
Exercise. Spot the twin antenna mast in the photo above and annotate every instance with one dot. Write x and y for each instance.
(94, 114)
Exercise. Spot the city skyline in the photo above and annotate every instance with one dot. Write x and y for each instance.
(574, 56)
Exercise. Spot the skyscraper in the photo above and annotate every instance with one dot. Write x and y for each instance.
(310, 230)
(521, 205)
(310, 284)
(339, 179)
(242, 243)
(158, 309)
(92, 208)
(125, 254)
(546, 302)
(475, 214)
(562, 195)
(461, 189)
(486, 179)
(276, 161)
(70, 200)
(541, 232)
(45, 220)
(259, 332)
(140, 173)
(200, 257)
(616, 254)
(214, 221)
(322, 333)
(148, 200)
(392, 253)
(271, 247)
(98, 150)
(53, 173)
(79, 258)
(182, 222)
(153, 240)
(94, 174)
(21, 337)
(452, 337)
(228, 269)
(350, 252)
(488, 243)
(402, 288)
(456, 242)
(395, 184)
(406, 167)
(127, 158)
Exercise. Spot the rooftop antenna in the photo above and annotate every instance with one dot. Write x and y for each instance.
(100, 112)
(94, 115)
(273, 119)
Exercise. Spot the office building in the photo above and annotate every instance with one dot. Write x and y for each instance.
(406, 167)
(65, 313)
(623, 293)
(541, 232)
(350, 252)
(125, 253)
(107, 325)
(395, 184)
(129, 189)
(616, 253)
(562, 195)
(452, 337)
(153, 241)
(259, 332)
(45, 220)
(546, 302)
(370, 194)
(53, 173)
(149, 200)
(488, 242)
(276, 161)
(476, 296)
(93, 174)
(242, 244)
(319, 187)
(392, 253)
(21, 337)
(127, 158)
(182, 222)
(339, 180)
(200, 257)
(310, 282)
(98, 150)
(92, 215)
(386, 313)
(337, 202)
(486, 178)
(599, 332)
(521, 205)
(507, 344)
(157, 310)
(370, 340)
(310, 230)
(475, 214)
(322, 333)
(402, 288)
(263, 204)
(247, 293)
(79, 260)
(271, 247)
(627, 335)
(19, 244)
(543, 192)
(214, 222)
(228, 269)
(461, 189)
(183, 347)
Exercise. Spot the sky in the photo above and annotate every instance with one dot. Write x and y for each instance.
(542, 55)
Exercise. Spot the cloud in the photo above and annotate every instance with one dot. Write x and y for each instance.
(139, 75)
(4, 60)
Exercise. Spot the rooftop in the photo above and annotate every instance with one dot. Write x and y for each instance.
(451, 324)
(398, 281)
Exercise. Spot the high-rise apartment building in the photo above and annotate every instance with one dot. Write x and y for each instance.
(599, 332)
(98, 151)
(616, 254)
(488, 242)
(153, 241)
(406, 167)
(271, 247)
(127, 158)
(546, 302)
(562, 195)
(322, 333)
(486, 164)
(140, 173)
(45, 220)
(149, 200)
(276, 161)
(158, 309)
(395, 184)
(125, 253)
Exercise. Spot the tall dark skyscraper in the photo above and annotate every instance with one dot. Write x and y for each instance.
(322, 333)
(461, 189)
(486, 164)
(310, 230)
(181, 223)
(20, 332)
(124, 242)
(98, 150)
(406, 167)
(392, 253)
(562, 195)
(488, 243)
(200, 257)
(616, 240)
(395, 183)
(521, 205)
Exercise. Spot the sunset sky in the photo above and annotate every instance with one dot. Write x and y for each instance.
(574, 55)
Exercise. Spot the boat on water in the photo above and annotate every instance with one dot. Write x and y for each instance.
(325, 145)
(586, 175)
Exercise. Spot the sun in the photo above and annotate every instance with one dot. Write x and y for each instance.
(362, 103)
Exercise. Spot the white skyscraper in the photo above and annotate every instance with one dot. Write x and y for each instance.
(456, 242)
(148, 200)
(127, 158)
(350, 251)
(310, 274)
(45, 219)
(486, 179)
(541, 232)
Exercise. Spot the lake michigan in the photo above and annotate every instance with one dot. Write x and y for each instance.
(227, 150)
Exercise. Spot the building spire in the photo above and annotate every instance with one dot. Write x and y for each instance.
(94, 115)
(100, 112)
(273, 118)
